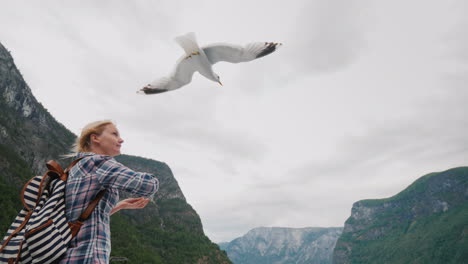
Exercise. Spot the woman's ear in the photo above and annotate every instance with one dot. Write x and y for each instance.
(94, 138)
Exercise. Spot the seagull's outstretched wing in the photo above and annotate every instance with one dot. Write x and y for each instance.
(181, 76)
(236, 53)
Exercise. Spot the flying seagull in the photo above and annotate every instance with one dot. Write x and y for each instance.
(202, 59)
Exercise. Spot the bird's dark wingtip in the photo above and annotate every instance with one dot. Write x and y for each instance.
(147, 90)
(269, 48)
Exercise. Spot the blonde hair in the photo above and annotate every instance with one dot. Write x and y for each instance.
(83, 142)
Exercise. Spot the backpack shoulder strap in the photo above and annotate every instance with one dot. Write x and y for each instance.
(89, 210)
(57, 171)
(76, 225)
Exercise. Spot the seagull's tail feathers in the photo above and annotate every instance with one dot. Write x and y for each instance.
(188, 42)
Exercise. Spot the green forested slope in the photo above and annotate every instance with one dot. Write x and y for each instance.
(426, 223)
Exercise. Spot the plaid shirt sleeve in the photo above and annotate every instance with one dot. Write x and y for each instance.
(112, 174)
(95, 172)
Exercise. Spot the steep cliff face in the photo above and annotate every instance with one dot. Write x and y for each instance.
(29, 136)
(25, 125)
(275, 245)
(168, 230)
(425, 223)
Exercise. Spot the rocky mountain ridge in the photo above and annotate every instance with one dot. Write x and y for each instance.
(280, 245)
(25, 125)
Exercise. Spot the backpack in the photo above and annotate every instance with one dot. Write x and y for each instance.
(41, 232)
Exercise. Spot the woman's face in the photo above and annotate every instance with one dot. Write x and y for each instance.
(109, 142)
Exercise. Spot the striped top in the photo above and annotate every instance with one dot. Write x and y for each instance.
(90, 175)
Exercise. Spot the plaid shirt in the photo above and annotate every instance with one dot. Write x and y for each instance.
(90, 175)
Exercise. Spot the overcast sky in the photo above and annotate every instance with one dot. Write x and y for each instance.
(363, 98)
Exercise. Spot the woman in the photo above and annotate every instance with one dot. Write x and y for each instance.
(98, 143)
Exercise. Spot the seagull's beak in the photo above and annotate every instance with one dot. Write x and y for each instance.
(220, 83)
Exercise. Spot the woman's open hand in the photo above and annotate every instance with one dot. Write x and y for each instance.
(130, 203)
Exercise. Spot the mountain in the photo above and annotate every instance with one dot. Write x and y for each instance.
(279, 245)
(29, 136)
(167, 231)
(425, 223)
